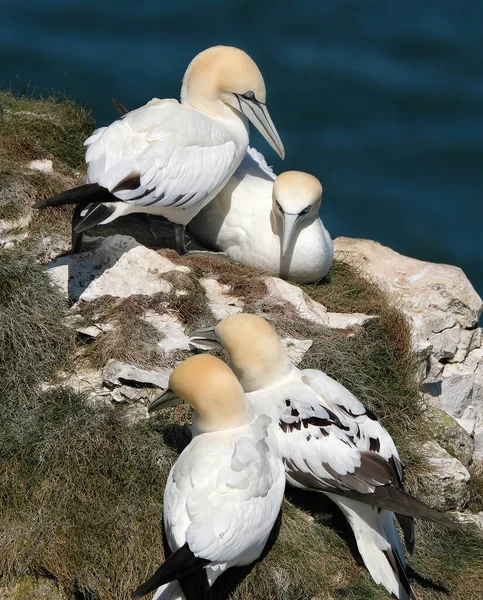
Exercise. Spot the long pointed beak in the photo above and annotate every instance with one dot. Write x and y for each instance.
(260, 117)
(206, 339)
(165, 400)
(288, 229)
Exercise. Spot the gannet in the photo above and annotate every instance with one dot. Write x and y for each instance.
(169, 158)
(330, 442)
(224, 493)
(270, 222)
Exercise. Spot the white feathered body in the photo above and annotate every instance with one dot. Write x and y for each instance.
(240, 223)
(318, 455)
(223, 497)
(177, 159)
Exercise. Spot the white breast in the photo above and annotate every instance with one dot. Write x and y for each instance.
(239, 222)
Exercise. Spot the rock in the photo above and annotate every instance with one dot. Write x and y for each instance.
(13, 230)
(475, 520)
(173, 335)
(443, 310)
(450, 435)
(117, 373)
(31, 588)
(296, 349)
(117, 266)
(44, 165)
(444, 485)
(221, 303)
(435, 297)
(311, 310)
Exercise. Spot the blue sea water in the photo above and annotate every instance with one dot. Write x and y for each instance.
(383, 101)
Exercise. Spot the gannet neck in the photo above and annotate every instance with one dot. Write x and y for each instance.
(212, 389)
(257, 355)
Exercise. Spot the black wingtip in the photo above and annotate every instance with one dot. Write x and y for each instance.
(121, 109)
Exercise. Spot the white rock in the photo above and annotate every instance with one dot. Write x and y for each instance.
(470, 519)
(174, 337)
(311, 310)
(435, 297)
(44, 165)
(221, 303)
(444, 485)
(118, 266)
(119, 373)
(296, 349)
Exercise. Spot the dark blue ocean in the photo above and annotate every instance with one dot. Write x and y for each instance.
(382, 100)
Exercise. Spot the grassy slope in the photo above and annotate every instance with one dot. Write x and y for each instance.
(81, 488)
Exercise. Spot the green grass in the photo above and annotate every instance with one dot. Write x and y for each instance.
(51, 127)
(34, 341)
(81, 485)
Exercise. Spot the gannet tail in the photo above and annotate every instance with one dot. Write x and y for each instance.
(90, 193)
(379, 545)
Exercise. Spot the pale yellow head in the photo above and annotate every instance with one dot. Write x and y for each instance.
(224, 79)
(257, 355)
(296, 197)
(212, 389)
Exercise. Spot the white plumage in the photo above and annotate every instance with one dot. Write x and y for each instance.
(224, 493)
(259, 219)
(177, 157)
(171, 158)
(329, 441)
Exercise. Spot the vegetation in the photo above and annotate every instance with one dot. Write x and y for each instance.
(81, 484)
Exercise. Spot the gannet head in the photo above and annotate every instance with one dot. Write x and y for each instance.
(224, 76)
(212, 389)
(257, 355)
(296, 196)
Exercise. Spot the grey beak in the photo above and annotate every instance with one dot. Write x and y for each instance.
(165, 400)
(289, 223)
(205, 339)
(258, 114)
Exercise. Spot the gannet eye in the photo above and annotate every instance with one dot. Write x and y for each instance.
(278, 206)
(305, 210)
(249, 96)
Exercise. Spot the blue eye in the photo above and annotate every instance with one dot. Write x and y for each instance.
(278, 206)
(305, 210)
(249, 96)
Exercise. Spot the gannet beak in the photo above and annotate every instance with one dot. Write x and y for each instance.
(288, 227)
(165, 400)
(258, 114)
(206, 339)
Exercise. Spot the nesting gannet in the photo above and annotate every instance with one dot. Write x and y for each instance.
(270, 222)
(169, 158)
(224, 493)
(330, 442)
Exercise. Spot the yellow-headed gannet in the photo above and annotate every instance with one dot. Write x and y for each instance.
(330, 442)
(169, 158)
(270, 222)
(224, 493)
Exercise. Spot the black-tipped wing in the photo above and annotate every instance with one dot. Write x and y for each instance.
(82, 196)
(180, 565)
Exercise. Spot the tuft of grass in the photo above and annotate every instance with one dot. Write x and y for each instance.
(31, 128)
(131, 338)
(34, 341)
(475, 504)
(81, 494)
(346, 289)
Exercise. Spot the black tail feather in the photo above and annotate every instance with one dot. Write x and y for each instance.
(95, 214)
(179, 565)
(407, 525)
(82, 196)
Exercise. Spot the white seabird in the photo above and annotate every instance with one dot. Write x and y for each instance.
(269, 222)
(169, 158)
(330, 442)
(224, 493)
